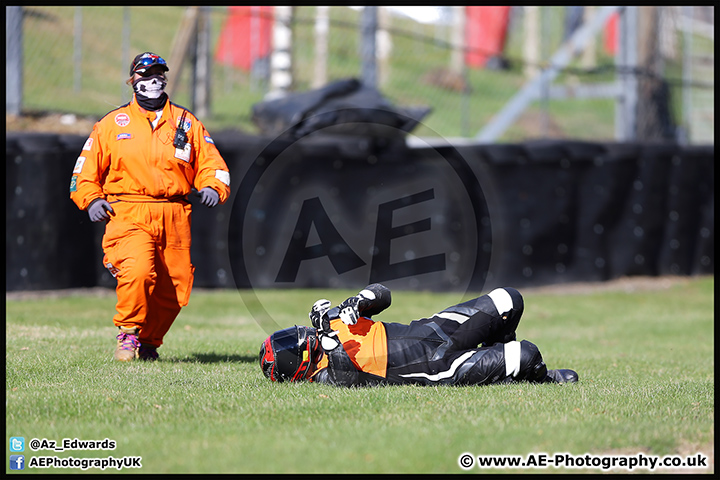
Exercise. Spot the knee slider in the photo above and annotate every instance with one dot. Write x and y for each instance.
(523, 361)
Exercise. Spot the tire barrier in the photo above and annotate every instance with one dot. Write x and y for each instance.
(339, 211)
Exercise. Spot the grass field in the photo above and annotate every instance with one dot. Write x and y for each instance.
(645, 359)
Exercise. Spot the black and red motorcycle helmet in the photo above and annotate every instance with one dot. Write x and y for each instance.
(286, 355)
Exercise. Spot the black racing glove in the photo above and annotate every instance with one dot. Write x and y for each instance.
(320, 319)
(371, 300)
(318, 316)
(350, 309)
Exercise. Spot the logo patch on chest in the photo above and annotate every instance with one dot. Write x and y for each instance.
(122, 119)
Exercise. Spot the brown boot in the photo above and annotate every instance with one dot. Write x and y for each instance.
(127, 344)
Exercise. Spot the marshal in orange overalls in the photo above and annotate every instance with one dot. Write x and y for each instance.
(146, 179)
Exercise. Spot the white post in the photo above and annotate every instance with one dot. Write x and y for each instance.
(384, 45)
(281, 58)
(457, 57)
(322, 26)
(531, 45)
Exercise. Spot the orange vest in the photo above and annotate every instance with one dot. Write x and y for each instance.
(365, 343)
(126, 155)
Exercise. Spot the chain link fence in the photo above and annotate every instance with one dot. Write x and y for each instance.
(74, 61)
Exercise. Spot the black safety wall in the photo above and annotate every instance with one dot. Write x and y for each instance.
(592, 212)
(545, 212)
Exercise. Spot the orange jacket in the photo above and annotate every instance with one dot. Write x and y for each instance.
(125, 155)
(365, 343)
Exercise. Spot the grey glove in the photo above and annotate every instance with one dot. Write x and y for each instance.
(98, 210)
(209, 197)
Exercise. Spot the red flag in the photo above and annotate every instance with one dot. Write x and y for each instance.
(246, 36)
(485, 33)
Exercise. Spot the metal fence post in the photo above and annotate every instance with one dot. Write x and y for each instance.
(125, 58)
(77, 50)
(687, 76)
(627, 58)
(367, 46)
(14, 60)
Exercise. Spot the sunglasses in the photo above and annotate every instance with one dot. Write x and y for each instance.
(148, 61)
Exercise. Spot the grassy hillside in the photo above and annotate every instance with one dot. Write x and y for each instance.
(93, 84)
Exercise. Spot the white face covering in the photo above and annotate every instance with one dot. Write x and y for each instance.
(150, 87)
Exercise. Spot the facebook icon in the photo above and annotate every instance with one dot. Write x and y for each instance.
(17, 462)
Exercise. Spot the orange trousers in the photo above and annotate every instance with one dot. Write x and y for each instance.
(147, 249)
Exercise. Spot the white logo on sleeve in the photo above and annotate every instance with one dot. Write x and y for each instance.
(79, 165)
(223, 176)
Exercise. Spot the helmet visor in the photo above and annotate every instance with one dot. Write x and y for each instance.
(292, 352)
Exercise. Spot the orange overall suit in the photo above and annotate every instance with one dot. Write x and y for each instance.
(146, 179)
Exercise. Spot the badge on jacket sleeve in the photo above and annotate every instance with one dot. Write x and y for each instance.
(79, 165)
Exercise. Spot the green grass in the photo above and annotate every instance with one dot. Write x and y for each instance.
(646, 363)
